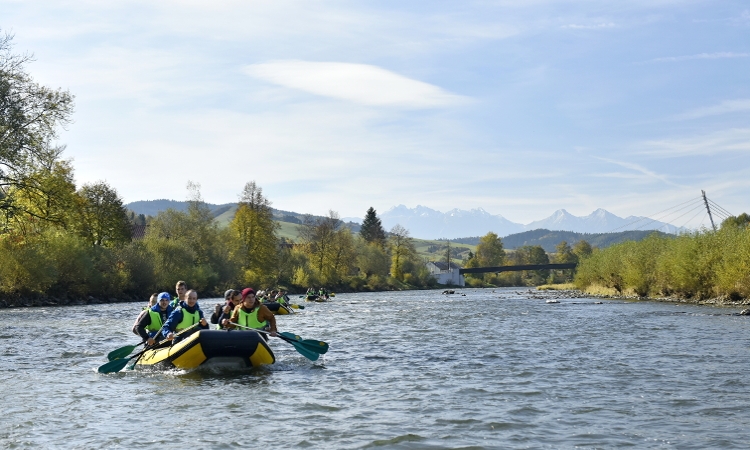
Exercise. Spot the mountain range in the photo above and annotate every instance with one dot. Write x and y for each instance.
(426, 223)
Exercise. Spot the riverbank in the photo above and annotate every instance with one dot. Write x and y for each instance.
(30, 301)
(609, 293)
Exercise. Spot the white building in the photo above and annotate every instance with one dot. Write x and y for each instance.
(445, 274)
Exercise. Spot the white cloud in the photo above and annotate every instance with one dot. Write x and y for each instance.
(725, 107)
(596, 26)
(724, 141)
(716, 55)
(650, 174)
(358, 83)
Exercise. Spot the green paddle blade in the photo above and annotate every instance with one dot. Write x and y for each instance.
(316, 346)
(114, 366)
(121, 352)
(301, 349)
(312, 345)
(289, 335)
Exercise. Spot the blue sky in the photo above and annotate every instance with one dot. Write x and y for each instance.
(517, 107)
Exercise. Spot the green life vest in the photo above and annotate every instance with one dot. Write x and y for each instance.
(155, 324)
(188, 319)
(281, 300)
(250, 319)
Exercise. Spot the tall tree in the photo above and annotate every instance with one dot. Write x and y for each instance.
(372, 229)
(490, 251)
(254, 232)
(103, 219)
(30, 115)
(329, 246)
(402, 250)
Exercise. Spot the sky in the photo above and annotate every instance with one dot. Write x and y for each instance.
(519, 107)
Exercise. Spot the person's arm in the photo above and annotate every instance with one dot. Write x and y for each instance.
(266, 314)
(202, 321)
(233, 318)
(169, 326)
(142, 324)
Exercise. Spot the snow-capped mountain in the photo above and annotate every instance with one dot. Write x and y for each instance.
(427, 223)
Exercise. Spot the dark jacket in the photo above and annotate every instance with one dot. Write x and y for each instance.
(226, 315)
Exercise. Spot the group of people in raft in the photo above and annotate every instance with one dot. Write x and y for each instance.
(166, 317)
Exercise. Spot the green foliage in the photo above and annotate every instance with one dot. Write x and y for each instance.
(402, 250)
(254, 245)
(102, 218)
(693, 265)
(736, 221)
(372, 229)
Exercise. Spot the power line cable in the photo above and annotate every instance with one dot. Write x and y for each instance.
(680, 207)
(699, 206)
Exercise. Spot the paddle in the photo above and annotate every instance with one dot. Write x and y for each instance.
(119, 364)
(295, 306)
(302, 348)
(310, 344)
(122, 351)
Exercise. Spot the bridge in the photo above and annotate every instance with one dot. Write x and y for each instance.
(499, 269)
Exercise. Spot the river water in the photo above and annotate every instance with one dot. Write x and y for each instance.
(407, 370)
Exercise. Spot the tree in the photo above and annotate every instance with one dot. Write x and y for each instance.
(329, 246)
(564, 254)
(102, 217)
(30, 115)
(740, 221)
(490, 251)
(254, 234)
(402, 250)
(582, 249)
(372, 260)
(447, 254)
(41, 197)
(372, 229)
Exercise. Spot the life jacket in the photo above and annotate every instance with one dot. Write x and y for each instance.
(250, 320)
(156, 322)
(188, 319)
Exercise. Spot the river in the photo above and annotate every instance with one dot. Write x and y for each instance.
(480, 369)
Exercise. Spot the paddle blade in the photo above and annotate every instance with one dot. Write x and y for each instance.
(114, 366)
(289, 335)
(316, 346)
(312, 356)
(312, 345)
(121, 352)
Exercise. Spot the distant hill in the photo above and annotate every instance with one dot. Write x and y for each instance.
(453, 223)
(223, 213)
(549, 239)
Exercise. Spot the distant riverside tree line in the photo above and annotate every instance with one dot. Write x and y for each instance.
(61, 240)
(699, 265)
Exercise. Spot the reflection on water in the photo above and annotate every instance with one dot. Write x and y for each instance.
(405, 370)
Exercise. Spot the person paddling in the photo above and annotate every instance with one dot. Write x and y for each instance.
(184, 316)
(150, 324)
(232, 298)
(252, 314)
